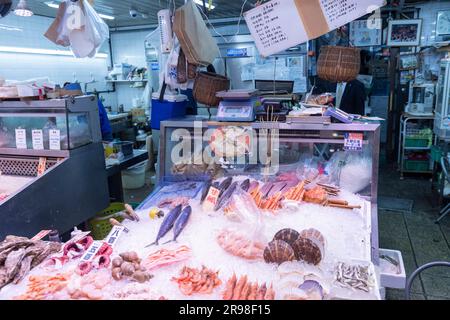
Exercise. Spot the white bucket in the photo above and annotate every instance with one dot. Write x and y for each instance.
(134, 177)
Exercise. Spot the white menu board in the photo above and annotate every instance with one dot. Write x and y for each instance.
(38, 139)
(278, 25)
(21, 139)
(55, 139)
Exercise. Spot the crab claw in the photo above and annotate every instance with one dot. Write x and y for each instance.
(84, 268)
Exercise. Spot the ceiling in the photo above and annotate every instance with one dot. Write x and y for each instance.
(120, 9)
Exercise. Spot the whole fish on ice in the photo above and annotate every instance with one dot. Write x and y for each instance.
(167, 223)
(226, 195)
(181, 222)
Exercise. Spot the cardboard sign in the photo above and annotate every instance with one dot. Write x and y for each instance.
(38, 139)
(278, 25)
(353, 141)
(41, 235)
(114, 235)
(55, 139)
(211, 199)
(21, 139)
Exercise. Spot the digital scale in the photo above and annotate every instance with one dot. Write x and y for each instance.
(237, 105)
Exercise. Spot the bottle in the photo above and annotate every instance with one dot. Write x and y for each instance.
(54, 236)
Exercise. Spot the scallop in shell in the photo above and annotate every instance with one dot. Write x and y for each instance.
(278, 251)
(308, 250)
(312, 233)
(287, 235)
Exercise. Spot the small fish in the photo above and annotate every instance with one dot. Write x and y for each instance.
(205, 190)
(167, 224)
(225, 184)
(225, 196)
(180, 223)
(245, 185)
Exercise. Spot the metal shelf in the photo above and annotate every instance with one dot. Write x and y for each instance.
(417, 148)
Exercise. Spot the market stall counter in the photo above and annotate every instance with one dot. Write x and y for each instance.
(52, 172)
(243, 211)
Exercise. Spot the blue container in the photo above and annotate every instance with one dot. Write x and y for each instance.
(173, 106)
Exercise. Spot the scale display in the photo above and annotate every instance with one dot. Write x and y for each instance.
(236, 111)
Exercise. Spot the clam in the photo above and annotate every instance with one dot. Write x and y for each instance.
(287, 235)
(278, 251)
(308, 250)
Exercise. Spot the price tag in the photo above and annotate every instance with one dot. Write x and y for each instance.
(38, 139)
(41, 166)
(353, 141)
(21, 139)
(55, 139)
(211, 199)
(41, 235)
(114, 235)
(92, 251)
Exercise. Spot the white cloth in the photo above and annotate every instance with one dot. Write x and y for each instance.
(340, 89)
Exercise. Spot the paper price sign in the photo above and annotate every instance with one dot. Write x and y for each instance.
(114, 235)
(92, 251)
(21, 139)
(211, 199)
(55, 139)
(38, 139)
(353, 141)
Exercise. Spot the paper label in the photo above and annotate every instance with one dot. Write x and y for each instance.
(21, 139)
(92, 251)
(353, 141)
(114, 235)
(41, 166)
(211, 199)
(38, 139)
(55, 139)
(277, 26)
(41, 235)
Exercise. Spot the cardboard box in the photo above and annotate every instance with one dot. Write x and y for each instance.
(278, 25)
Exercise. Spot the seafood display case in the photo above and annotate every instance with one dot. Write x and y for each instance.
(52, 167)
(310, 191)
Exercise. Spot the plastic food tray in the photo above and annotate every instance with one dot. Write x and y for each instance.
(389, 279)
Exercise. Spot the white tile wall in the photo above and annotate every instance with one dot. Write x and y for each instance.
(128, 47)
(29, 32)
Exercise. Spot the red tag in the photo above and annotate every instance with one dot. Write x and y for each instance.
(41, 235)
(41, 166)
(211, 199)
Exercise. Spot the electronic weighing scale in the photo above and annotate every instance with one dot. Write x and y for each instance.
(237, 105)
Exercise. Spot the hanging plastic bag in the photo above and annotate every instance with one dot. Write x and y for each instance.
(171, 74)
(95, 26)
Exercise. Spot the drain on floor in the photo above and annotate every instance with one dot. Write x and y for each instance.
(395, 204)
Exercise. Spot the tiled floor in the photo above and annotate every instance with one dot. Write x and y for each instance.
(415, 234)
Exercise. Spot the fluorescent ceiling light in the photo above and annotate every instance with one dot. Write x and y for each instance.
(200, 2)
(44, 51)
(55, 5)
(105, 16)
(22, 9)
(9, 28)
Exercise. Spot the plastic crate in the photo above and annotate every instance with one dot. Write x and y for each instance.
(436, 154)
(417, 142)
(417, 165)
(100, 226)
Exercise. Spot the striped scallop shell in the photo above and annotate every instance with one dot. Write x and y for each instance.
(312, 233)
(287, 235)
(278, 251)
(308, 250)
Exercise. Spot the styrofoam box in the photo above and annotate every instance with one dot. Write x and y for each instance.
(389, 279)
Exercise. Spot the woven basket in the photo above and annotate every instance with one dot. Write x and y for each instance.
(207, 85)
(338, 64)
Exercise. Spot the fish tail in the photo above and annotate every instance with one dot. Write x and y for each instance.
(152, 244)
(174, 240)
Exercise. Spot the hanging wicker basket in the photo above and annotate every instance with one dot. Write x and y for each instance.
(207, 85)
(338, 64)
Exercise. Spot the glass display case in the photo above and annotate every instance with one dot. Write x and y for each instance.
(52, 165)
(442, 116)
(46, 127)
(342, 155)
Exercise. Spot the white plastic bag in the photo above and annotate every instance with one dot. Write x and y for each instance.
(95, 26)
(171, 67)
